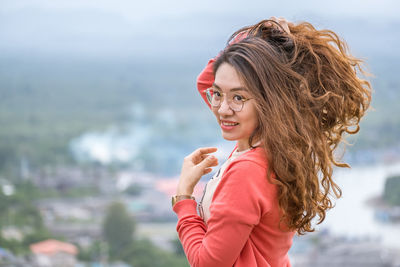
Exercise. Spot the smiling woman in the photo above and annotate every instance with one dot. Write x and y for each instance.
(286, 93)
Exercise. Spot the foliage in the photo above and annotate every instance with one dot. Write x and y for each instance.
(178, 247)
(143, 253)
(118, 229)
(392, 190)
(13, 245)
(96, 252)
(17, 210)
(38, 235)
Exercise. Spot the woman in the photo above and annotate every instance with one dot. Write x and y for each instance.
(286, 93)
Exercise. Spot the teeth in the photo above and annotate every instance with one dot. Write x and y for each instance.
(230, 123)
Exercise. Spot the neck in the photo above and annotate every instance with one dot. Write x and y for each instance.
(244, 145)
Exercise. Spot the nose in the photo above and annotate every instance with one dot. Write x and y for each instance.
(224, 109)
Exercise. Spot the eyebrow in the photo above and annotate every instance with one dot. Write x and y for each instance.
(233, 89)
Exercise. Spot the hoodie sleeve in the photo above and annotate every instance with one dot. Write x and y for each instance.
(206, 76)
(206, 79)
(238, 204)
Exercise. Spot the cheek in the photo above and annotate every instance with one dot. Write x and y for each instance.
(251, 125)
(251, 118)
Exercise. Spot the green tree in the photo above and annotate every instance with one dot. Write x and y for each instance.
(38, 235)
(94, 253)
(392, 190)
(118, 229)
(178, 249)
(17, 210)
(143, 253)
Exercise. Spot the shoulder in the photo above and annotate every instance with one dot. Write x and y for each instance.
(253, 161)
(244, 185)
(247, 176)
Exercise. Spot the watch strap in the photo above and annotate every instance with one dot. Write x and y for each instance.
(181, 197)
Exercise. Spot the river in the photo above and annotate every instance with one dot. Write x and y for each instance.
(352, 217)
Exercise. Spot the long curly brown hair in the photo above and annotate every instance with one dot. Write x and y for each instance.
(308, 94)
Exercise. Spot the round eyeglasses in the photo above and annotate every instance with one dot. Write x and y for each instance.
(235, 101)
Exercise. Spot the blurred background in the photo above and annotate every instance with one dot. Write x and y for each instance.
(98, 108)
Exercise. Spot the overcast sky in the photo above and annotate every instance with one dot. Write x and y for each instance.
(139, 27)
(138, 10)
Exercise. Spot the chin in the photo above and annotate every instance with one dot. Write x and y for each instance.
(229, 137)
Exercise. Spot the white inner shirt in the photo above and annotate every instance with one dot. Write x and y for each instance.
(209, 189)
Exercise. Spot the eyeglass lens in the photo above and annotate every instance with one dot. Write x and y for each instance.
(215, 98)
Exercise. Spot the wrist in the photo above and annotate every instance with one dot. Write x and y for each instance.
(180, 192)
(184, 190)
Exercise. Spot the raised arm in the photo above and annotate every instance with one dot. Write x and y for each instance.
(205, 80)
(206, 76)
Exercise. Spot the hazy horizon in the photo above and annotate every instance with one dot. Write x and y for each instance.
(126, 29)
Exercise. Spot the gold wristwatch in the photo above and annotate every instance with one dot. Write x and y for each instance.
(181, 197)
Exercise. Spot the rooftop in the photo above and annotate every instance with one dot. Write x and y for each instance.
(52, 246)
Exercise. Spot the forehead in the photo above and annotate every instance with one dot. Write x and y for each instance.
(227, 78)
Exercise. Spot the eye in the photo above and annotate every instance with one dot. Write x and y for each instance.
(216, 93)
(238, 98)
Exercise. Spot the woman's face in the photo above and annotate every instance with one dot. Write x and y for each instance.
(234, 125)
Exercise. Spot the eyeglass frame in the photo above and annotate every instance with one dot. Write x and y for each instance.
(222, 100)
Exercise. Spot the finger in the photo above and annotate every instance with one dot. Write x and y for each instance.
(284, 23)
(200, 158)
(204, 156)
(285, 28)
(207, 170)
(268, 22)
(203, 150)
(208, 162)
(271, 24)
(201, 153)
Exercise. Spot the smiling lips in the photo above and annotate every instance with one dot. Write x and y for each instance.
(228, 125)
